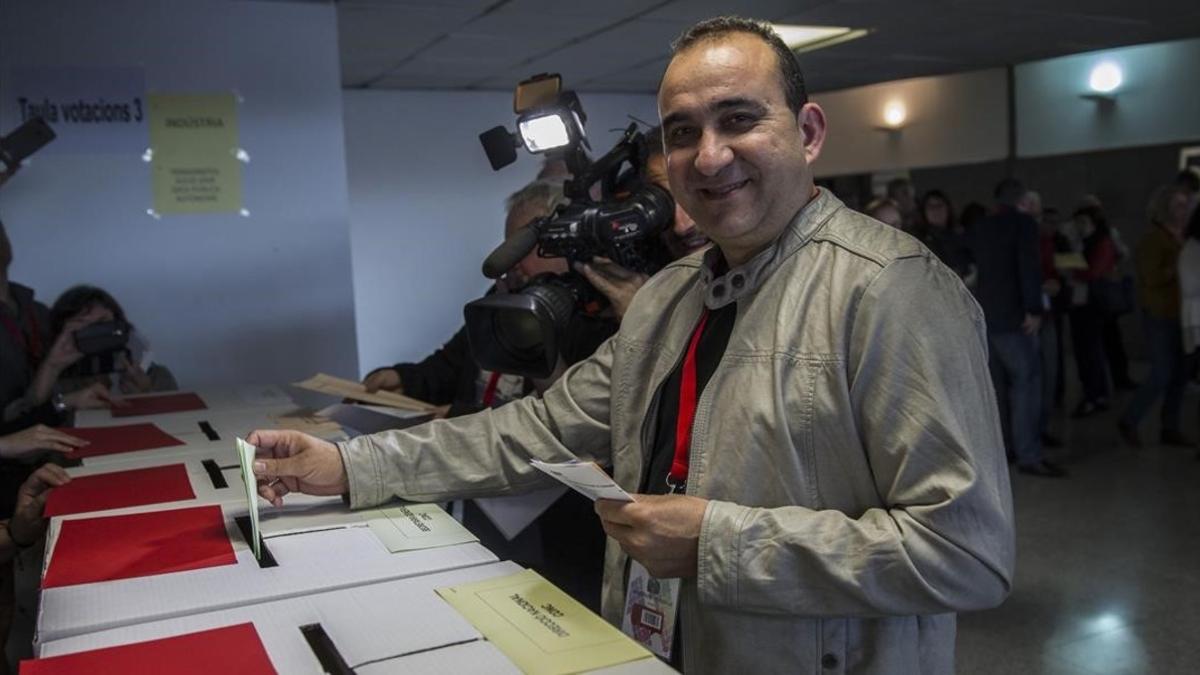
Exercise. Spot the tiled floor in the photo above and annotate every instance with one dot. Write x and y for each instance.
(1108, 562)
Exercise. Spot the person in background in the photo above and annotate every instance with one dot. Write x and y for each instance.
(971, 214)
(131, 377)
(936, 229)
(1057, 301)
(1087, 318)
(886, 211)
(902, 192)
(1159, 294)
(33, 357)
(1005, 248)
(1189, 290)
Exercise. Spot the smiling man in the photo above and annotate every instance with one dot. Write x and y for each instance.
(804, 411)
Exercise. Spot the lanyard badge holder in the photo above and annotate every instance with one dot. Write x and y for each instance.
(652, 604)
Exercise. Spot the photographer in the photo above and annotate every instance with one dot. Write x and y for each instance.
(99, 368)
(32, 356)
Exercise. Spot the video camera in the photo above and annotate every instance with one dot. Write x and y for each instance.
(523, 332)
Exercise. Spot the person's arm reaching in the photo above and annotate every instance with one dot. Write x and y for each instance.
(486, 453)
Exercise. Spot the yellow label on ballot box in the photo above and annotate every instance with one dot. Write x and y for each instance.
(542, 629)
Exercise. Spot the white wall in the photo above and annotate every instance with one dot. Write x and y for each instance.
(222, 298)
(426, 207)
(1158, 102)
(954, 119)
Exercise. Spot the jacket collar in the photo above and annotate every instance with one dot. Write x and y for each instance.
(746, 278)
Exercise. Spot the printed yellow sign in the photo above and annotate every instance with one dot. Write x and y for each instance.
(542, 629)
(194, 153)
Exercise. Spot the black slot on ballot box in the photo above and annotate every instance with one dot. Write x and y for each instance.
(214, 474)
(209, 431)
(267, 560)
(324, 649)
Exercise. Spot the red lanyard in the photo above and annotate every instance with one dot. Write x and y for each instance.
(32, 342)
(489, 392)
(677, 478)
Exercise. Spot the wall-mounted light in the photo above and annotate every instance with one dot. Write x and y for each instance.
(1105, 77)
(1103, 81)
(895, 114)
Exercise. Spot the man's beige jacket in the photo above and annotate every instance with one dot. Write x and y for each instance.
(848, 441)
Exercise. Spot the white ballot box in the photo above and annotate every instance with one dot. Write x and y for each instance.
(400, 626)
(148, 563)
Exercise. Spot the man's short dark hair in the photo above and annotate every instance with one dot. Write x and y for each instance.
(1009, 191)
(788, 64)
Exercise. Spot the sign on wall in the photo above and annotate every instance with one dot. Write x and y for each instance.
(194, 153)
(92, 110)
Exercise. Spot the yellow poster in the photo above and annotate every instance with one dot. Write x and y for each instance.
(194, 153)
(543, 630)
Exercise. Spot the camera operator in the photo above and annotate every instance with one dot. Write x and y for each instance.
(132, 378)
(682, 238)
(451, 378)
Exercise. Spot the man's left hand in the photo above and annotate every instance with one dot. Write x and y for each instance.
(662, 532)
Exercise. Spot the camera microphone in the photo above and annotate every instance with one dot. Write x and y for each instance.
(510, 252)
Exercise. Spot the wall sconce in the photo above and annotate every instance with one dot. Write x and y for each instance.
(1103, 81)
(895, 114)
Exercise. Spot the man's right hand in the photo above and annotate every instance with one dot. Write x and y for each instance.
(35, 439)
(290, 461)
(383, 378)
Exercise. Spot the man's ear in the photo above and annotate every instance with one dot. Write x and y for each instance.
(811, 120)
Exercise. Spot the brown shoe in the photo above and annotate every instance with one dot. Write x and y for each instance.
(1129, 434)
(1175, 439)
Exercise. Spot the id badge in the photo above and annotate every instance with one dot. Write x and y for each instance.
(651, 606)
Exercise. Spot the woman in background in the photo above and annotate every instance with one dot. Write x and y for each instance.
(136, 374)
(1087, 318)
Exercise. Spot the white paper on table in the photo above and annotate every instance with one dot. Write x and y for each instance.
(511, 515)
(246, 459)
(408, 527)
(585, 478)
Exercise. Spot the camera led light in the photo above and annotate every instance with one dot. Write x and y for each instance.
(544, 133)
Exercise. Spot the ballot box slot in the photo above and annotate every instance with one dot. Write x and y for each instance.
(214, 474)
(208, 430)
(323, 648)
(448, 645)
(267, 559)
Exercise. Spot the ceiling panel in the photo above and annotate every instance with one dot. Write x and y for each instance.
(622, 45)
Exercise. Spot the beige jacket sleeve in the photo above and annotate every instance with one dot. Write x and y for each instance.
(487, 453)
(942, 539)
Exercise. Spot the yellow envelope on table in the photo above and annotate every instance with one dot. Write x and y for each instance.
(540, 628)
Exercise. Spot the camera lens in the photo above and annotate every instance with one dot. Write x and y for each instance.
(518, 332)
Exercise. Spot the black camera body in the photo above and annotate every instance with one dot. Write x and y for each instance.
(523, 332)
(100, 343)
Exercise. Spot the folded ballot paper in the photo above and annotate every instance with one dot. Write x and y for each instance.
(586, 478)
(542, 629)
(245, 453)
